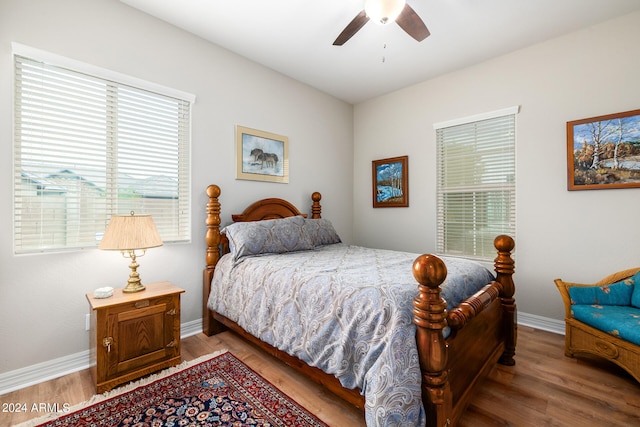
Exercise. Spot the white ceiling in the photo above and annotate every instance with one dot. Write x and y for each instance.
(295, 37)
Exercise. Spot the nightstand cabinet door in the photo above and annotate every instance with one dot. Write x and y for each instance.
(142, 333)
(135, 334)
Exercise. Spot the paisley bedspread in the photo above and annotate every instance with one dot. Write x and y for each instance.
(346, 310)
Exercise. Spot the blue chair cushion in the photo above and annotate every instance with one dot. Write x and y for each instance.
(620, 321)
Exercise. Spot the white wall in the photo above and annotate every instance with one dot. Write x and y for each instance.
(579, 235)
(42, 297)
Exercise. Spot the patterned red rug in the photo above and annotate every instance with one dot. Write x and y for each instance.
(220, 391)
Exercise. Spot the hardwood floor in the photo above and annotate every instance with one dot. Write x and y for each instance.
(544, 388)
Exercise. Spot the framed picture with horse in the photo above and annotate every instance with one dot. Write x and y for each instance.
(261, 156)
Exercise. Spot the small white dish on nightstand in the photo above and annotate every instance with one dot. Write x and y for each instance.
(103, 292)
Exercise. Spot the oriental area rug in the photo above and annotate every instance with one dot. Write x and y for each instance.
(216, 390)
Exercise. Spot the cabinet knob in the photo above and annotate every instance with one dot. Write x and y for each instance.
(171, 312)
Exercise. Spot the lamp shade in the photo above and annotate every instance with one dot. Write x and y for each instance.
(383, 11)
(126, 232)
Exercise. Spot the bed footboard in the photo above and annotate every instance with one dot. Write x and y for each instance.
(453, 368)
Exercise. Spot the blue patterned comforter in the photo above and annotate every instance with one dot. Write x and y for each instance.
(346, 310)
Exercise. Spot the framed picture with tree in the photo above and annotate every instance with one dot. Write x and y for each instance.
(391, 182)
(604, 152)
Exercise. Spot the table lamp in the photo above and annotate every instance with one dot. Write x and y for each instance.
(128, 234)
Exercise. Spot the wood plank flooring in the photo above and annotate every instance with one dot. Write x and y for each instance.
(544, 388)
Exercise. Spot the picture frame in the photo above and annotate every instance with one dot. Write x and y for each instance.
(390, 182)
(604, 152)
(261, 156)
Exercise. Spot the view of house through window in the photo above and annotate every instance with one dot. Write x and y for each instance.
(476, 183)
(86, 148)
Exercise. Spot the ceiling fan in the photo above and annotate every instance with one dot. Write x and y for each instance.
(384, 12)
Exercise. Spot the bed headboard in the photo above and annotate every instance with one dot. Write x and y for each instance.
(276, 208)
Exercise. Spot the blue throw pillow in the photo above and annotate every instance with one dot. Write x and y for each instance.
(615, 294)
(272, 236)
(635, 297)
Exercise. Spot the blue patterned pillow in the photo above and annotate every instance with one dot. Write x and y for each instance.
(272, 236)
(635, 297)
(321, 232)
(615, 294)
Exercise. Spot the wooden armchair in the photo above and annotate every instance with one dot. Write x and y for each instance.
(609, 342)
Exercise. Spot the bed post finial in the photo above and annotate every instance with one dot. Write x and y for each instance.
(429, 315)
(316, 209)
(504, 266)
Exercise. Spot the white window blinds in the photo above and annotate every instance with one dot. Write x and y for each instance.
(476, 185)
(86, 148)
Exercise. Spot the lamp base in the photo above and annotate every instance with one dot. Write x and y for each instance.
(133, 287)
(133, 284)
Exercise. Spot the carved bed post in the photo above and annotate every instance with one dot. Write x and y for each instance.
(504, 267)
(213, 255)
(430, 318)
(316, 209)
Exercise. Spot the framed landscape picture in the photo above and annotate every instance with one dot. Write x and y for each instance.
(391, 182)
(261, 156)
(604, 152)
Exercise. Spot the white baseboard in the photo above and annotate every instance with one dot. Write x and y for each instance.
(40, 372)
(190, 328)
(45, 371)
(542, 323)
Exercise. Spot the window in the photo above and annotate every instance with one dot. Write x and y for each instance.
(89, 146)
(476, 185)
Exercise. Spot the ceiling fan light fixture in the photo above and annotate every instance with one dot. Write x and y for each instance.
(383, 11)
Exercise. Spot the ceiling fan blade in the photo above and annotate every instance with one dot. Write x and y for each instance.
(411, 23)
(353, 27)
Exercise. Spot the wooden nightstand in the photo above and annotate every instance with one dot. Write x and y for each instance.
(134, 334)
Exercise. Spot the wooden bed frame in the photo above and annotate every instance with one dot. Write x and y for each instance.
(483, 328)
